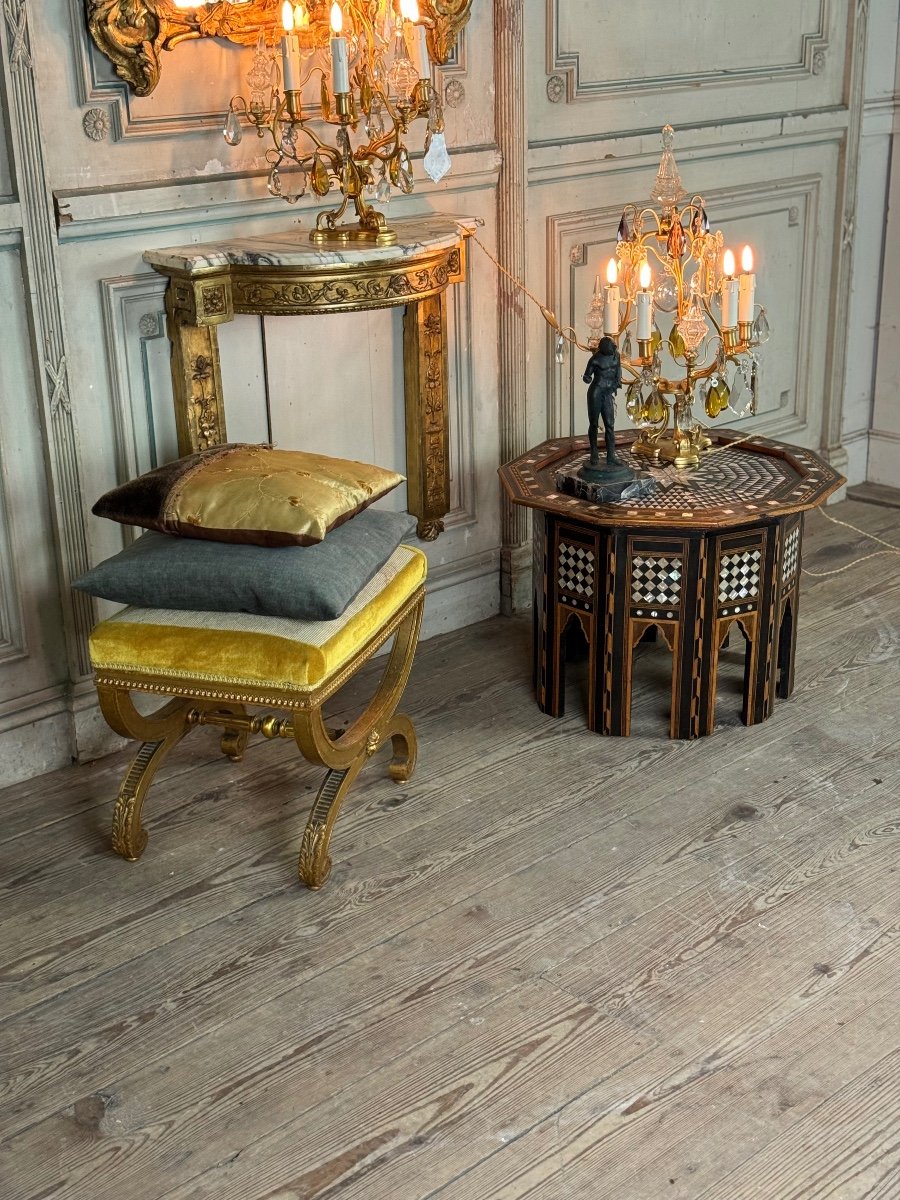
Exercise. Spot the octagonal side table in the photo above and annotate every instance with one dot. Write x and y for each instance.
(703, 552)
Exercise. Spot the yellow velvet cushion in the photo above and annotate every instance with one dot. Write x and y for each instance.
(251, 650)
(250, 494)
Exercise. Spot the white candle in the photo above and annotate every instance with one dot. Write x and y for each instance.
(291, 62)
(729, 297)
(611, 307)
(340, 67)
(416, 38)
(644, 303)
(747, 282)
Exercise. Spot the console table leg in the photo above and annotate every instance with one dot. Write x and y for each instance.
(196, 381)
(427, 433)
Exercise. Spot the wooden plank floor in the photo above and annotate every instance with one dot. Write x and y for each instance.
(553, 966)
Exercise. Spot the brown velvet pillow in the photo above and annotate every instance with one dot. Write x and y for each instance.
(251, 494)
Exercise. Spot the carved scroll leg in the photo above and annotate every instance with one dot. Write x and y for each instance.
(314, 865)
(159, 733)
(345, 756)
(405, 748)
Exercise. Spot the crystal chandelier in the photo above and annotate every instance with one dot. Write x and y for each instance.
(368, 65)
(718, 357)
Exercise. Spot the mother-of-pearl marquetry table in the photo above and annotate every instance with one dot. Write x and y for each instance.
(700, 552)
(284, 274)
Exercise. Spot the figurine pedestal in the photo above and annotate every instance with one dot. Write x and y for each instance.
(605, 487)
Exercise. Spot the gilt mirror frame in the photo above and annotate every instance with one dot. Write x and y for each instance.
(134, 35)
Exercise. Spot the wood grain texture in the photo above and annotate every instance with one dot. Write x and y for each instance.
(554, 966)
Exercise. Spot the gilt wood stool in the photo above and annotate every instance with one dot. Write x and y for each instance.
(215, 665)
(701, 552)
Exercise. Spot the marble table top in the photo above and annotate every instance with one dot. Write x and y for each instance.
(415, 235)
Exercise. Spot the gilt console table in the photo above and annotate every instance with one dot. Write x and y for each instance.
(701, 552)
(284, 274)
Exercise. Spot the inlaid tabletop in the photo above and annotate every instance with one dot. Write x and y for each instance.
(732, 485)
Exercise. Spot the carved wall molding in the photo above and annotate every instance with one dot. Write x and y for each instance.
(832, 447)
(565, 62)
(134, 36)
(796, 200)
(12, 627)
(41, 269)
(509, 108)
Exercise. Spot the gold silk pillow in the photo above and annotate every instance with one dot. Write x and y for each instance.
(251, 494)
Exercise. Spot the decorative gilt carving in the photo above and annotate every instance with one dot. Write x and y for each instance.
(449, 18)
(134, 34)
(427, 433)
(262, 294)
(196, 381)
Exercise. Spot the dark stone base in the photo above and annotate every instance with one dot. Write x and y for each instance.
(609, 483)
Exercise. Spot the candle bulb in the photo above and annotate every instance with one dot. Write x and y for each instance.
(747, 284)
(644, 303)
(291, 62)
(611, 307)
(729, 295)
(416, 38)
(340, 67)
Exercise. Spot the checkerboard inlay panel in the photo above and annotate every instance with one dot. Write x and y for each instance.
(791, 552)
(575, 570)
(656, 580)
(739, 576)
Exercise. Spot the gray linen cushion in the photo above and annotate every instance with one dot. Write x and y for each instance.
(306, 583)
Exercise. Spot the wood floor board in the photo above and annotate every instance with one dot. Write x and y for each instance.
(521, 939)
(202, 953)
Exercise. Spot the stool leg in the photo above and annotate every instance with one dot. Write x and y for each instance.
(345, 756)
(159, 733)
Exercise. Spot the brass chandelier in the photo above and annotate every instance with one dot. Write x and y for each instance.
(716, 357)
(368, 64)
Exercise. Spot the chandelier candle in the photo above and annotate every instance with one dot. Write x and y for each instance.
(644, 303)
(291, 63)
(416, 38)
(611, 308)
(729, 292)
(340, 67)
(746, 298)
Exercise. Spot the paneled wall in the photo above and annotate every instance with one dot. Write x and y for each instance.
(553, 117)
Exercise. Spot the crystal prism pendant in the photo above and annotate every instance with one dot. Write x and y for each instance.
(623, 234)
(232, 131)
(676, 241)
(655, 339)
(626, 346)
(761, 329)
(436, 161)
(711, 402)
(633, 400)
(656, 408)
(559, 352)
(383, 191)
(676, 343)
